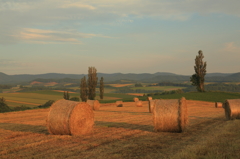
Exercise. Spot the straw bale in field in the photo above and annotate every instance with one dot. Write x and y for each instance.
(94, 104)
(149, 98)
(232, 109)
(218, 104)
(138, 103)
(70, 118)
(151, 104)
(170, 115)
(135, 99)
(119, 103)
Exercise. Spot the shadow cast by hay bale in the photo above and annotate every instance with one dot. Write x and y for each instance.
(24, 128)
(125, 125)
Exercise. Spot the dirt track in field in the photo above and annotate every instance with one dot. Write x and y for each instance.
(119, 132)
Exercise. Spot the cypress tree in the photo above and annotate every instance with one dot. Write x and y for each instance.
(64, 95)
(92, 82)
(101, 88)
(67, 96)
(197, 79)
(83, 89)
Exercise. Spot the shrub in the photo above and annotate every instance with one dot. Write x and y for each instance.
(47, 104)
(74, 99)
(3, 106)
(21, 108)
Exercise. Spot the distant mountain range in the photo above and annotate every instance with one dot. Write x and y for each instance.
(116, 77)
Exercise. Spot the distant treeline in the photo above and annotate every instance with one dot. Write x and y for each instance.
(39, 88)
(5, 86)
(171, 84)
(61, 80)
(223, 87)
(129, 90)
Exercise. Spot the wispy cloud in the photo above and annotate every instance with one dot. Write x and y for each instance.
(6, 63)
(77, 5)
(50, 14)
(31, 35)
(231, 47)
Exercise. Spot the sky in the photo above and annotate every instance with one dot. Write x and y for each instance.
(118, 36)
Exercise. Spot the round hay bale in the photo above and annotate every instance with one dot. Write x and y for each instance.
(138, 103)
(151, 104)
(149, 98)
(135, 99)
(170, 115)
(70, 118)
(119, 103)
(218, 104)
(232, 109)
(94, 104)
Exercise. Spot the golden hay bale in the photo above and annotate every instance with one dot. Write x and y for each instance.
(135, 99)
(232, 109)
(149, 98)
(94, 104)
(138, 103)
(218, 104)
(170, 115)
(151, 104)
(70, 118)
(119, 103)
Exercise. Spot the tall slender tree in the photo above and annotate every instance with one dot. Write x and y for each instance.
(197, 79)
(64, 95)
(92, 82)
(83, 89)
(101, 88)
(67, 96)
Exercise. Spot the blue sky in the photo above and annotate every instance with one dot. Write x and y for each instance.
(127, 36)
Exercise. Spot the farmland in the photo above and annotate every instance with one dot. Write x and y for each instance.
(35, 98)
(122, 132)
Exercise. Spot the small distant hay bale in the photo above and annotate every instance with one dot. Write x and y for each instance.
(135, 99)
(170, 115)
(70, 118)
(218, 104)
(94, 104)
(232, 109)
(149, 98)
(119, 103)
(151, 104)
(138, 103)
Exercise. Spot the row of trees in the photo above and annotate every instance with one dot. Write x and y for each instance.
(88, 86)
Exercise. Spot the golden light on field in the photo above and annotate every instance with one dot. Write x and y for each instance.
(119, 132)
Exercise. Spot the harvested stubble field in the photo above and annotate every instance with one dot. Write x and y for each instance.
(122, 132)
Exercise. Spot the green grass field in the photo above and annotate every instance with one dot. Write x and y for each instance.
(159, 88)
(206, 96)
(35, 98)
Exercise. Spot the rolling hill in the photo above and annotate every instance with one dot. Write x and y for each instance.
(130, 77)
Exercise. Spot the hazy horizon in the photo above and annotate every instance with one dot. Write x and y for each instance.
(134, 36)
(119, 72)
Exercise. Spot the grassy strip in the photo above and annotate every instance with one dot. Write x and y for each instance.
(206, 96)
(159, 88)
